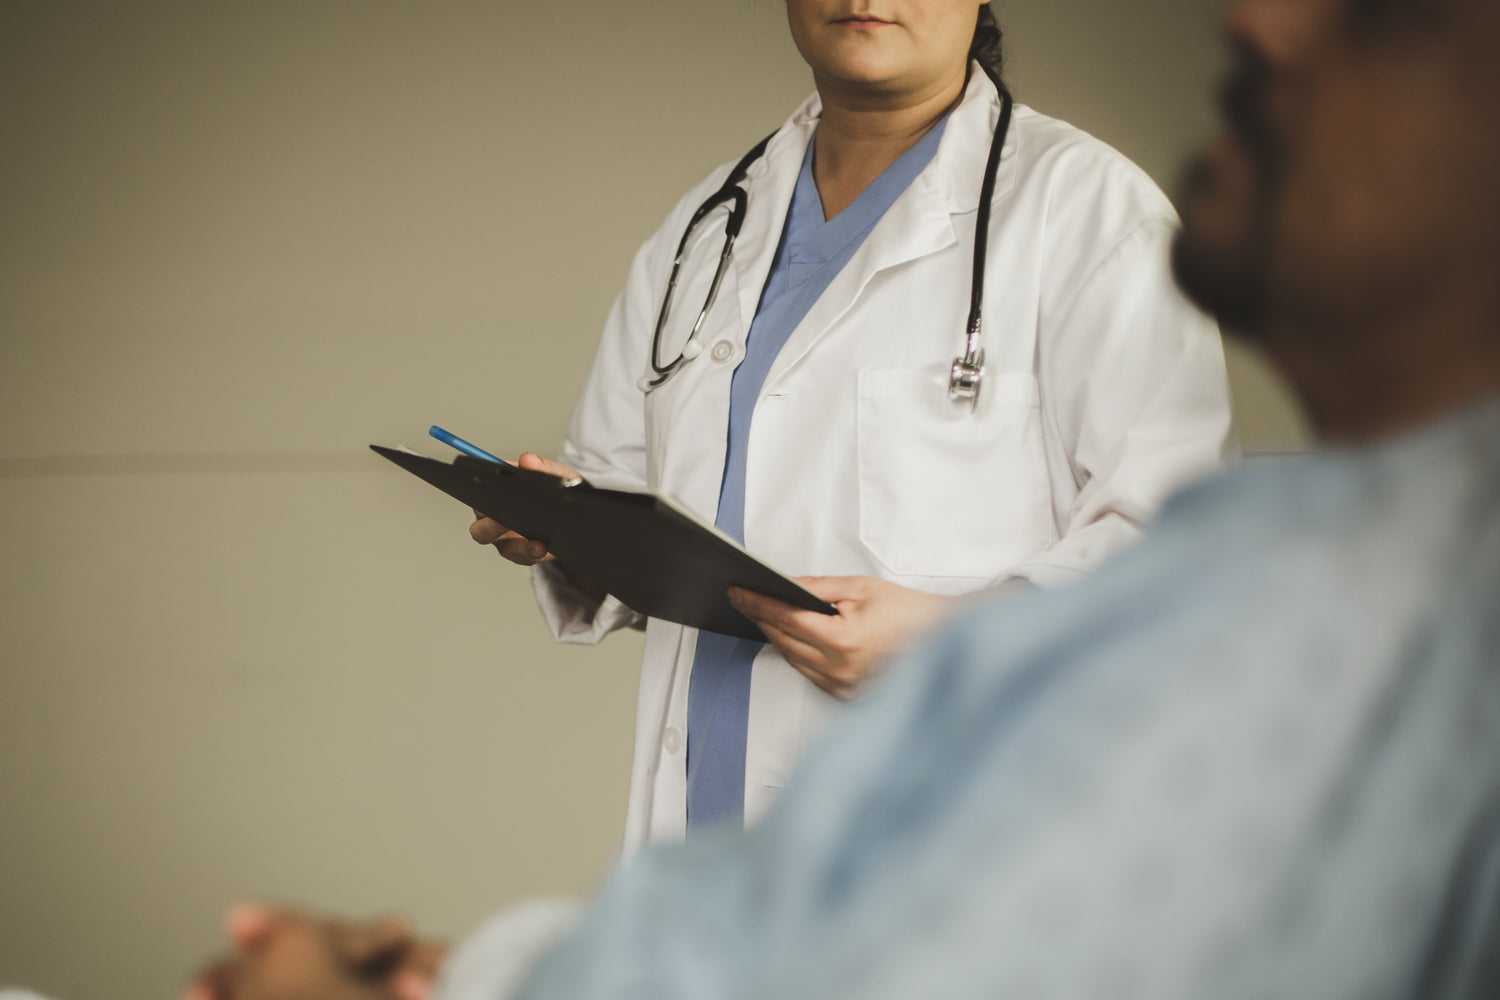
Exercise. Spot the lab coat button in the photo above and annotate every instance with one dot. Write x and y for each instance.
(723, 351)
(671, 741)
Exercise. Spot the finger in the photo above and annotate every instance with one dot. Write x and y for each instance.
(799, 654)
(412, 984)
(792, 648)
(217, 982)
(510, 544)
(823, 681)
(537, 463)
(247, 924)
(828, 633)
(759, 607)
(374, 946)
(419, 969)
(531, 460)
(810, 627)
(488, 531)
(837, 588)
(426, 957)
(524, 551)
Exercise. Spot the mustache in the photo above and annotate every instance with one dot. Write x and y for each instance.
(1244, 102)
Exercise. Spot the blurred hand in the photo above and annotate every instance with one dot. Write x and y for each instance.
(519, 550)
(289, 955)
(837, 652)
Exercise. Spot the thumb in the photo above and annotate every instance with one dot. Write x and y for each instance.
(836, 588)
(247, 924)
(536, 463)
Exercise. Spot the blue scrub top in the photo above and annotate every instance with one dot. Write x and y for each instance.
(811, 254)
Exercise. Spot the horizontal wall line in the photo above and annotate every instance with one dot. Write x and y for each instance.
(191, 464)
(238, 463)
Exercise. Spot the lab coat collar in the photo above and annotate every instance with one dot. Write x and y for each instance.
(959, 164)
(966, 147)
(950, 184)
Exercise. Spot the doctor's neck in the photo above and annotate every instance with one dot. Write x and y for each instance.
(863, 130)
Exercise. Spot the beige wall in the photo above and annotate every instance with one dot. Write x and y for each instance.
(239, 656)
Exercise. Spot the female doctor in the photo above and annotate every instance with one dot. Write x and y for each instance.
(835, 413)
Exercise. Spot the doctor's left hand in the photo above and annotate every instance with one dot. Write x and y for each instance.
(283, 954)
(837, 652)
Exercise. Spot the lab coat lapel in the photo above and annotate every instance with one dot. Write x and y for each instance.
(919, 223)
(769, 183)
(921, 220)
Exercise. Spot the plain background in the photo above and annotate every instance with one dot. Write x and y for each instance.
(239, 655)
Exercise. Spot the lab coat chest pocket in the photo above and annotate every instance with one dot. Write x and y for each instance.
(946, 490)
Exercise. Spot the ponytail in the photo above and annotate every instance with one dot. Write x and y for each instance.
(986, 46)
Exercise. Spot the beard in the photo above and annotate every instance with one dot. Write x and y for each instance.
(1221, 257)
(1228, 278)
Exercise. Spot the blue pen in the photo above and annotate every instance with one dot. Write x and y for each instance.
(454, 441)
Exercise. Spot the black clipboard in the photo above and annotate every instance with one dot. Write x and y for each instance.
(644, 548)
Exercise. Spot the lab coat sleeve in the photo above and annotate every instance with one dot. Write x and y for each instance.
(494, 961)
(1135, 401)
(605, 443)
(574, 616)
(606, 436)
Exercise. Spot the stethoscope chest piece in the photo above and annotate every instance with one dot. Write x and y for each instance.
(966, 378)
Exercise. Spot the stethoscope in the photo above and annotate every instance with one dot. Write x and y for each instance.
(966, 376)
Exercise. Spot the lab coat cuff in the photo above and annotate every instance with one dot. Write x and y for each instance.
(574, 616)
(494, 962)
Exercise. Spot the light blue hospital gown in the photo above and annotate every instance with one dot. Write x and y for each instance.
(1256, 757)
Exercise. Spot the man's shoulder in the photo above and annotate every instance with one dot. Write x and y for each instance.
(1228, 542)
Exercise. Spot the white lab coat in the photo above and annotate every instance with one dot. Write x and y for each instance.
(1104, 390)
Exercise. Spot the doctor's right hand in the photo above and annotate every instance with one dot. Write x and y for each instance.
(513, 546)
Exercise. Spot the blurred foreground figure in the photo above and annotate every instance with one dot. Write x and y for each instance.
(1258, 756)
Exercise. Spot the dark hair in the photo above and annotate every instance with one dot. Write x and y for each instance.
(986, 46)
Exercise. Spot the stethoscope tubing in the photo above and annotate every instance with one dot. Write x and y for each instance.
(730, 191)
(968, 371)
(982, 219)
